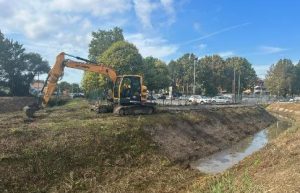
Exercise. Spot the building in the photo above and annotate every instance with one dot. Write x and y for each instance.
(37, 85)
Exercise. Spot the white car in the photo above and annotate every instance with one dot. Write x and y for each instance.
(193, 98)
(203, 100)
(221, 99)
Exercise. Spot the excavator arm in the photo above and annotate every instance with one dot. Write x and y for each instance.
(56, 73)
(58, 69)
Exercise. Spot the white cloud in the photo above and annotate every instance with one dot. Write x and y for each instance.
(168, 6)
(270, 49)
(145, 8)
(156, 47)
(95, 7)
(201, 46)
(226, 54)
(49, 27)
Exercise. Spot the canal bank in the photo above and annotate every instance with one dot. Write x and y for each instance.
(274, 168)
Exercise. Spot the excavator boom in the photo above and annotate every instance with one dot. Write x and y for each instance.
(58, 69)
(57, 72)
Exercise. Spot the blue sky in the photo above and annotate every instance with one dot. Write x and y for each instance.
(263, 31)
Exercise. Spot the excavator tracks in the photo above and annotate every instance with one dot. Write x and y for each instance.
(134, 110)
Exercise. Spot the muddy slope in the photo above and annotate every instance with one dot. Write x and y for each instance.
(186, 136)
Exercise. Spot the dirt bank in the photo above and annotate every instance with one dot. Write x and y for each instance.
(71, 149)
(275, 168)
(11, 104)
(189, 135)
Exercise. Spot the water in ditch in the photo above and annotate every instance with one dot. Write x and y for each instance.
(225, 159)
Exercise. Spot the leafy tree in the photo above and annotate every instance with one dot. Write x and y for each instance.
(297, 79)
(92, 81)
(182, 73)
(281, 78)
(156, 74)
(124, 57)
(75, 88)
(243, 69)
(206, 76)
(101, 41)
(17, 67)
(176, 72)
(65, 86)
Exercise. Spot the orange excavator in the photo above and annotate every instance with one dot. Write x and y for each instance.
(129, 95)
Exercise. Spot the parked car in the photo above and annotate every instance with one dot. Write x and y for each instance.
(78, 95)
(193, 98)
(221, 99)
(203, 100)
(183, 97)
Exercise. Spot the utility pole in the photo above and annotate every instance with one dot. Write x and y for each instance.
(233, 85)
(239, 86)
(38, 81)
(194, 86)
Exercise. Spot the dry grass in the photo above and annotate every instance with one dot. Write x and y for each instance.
(70, 149)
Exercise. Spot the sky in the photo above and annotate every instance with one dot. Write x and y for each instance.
(263, 31)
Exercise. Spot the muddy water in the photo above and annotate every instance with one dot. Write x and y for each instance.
(225, 159)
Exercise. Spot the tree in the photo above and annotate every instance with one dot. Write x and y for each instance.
(124, 57)
(65, 86)
(101, 41)
(75, 88)
(92, 82)
(206, 76)
(297, 78)
(156, 74)
(17, 67)
(281, 78)
(182, 73)
(243, 69)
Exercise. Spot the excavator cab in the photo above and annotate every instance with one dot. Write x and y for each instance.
(130, 96)
(127, 90)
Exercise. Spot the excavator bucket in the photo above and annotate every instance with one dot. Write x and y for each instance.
(31, 109)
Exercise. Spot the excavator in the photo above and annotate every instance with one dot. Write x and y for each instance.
(128, 97)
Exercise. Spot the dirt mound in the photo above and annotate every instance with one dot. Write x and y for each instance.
(190, 135)
(11, 104)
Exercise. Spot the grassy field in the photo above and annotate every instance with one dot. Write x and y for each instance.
(276, 168)
(71, 149)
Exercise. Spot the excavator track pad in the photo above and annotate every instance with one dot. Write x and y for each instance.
(134, 110)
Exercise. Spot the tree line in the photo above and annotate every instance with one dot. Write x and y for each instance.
(213, 74)
(18, 68)
(283, 78)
